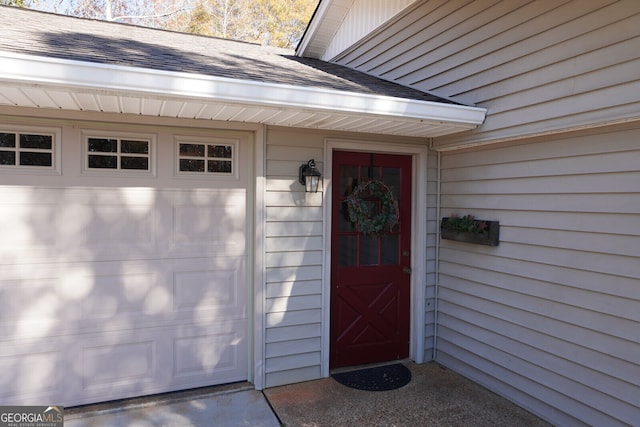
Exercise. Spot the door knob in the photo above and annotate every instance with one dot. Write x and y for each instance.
(406, 270)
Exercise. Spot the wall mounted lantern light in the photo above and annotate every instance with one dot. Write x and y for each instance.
(310, 177)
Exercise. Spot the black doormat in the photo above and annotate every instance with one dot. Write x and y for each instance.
(380, 378)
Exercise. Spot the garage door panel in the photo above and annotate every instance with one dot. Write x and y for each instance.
(84, 225)
(29, 372)
(199, 352)
(212, 227)
(112, 225)
(87, 367)
(24, 230)
(165, 293)
(123, 295)
(30, 304)
(76, 298)
(204, 226)
(211, 288)
(119, 365)
(146, 361)
(83, 297)
(197, 290)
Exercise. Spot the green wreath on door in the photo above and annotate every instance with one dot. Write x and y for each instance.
(362, 216)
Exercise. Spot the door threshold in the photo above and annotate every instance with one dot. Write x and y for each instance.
(369, 365)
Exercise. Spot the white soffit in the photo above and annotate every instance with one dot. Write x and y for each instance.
(42, 82)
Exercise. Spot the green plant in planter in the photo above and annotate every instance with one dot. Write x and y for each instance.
(466, 223)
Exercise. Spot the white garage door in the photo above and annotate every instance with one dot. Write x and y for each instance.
(124, 279)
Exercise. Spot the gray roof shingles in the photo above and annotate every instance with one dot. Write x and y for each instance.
(46, 34)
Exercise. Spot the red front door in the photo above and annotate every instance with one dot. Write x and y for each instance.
(370, 276)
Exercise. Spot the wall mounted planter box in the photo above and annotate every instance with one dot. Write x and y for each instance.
(490, 238)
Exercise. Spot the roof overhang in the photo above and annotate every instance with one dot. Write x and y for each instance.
(331, 28)
(324, 23)
(44, 82)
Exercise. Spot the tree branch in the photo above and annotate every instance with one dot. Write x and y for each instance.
(158, 15)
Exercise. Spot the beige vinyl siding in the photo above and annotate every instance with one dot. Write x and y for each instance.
(293, 260)
(538, 67)
(550, 317)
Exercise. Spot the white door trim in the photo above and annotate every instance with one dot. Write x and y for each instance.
(418, 242)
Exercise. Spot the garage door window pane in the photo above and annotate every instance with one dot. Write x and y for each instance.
(35, 159)
(220, 151)
(187, 165)
(192, 150)
(26, 149)
(119, 154)
(103, 162)
(205, 158)
(103, 145)
(219, 166)
(41, 142)
(135, 163)
(7, 158)
(7, 139)
(135, 147)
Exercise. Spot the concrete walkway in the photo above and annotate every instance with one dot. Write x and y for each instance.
(435, 396)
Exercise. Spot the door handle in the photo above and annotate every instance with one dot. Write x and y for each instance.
(406, 270)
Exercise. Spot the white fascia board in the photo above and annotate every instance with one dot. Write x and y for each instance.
(45, 71)
(313, 27)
